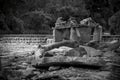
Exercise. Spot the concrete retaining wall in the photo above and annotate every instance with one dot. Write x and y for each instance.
(24, 38)
(38, 38)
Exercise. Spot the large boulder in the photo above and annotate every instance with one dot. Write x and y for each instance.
(74, 52)
(92, 52)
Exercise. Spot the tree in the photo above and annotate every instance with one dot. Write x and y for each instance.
(114, 23)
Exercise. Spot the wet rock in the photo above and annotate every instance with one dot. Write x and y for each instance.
(78, 52)
(109, 54)
(92, 52)
(65, 61)
(28, 72)
(58, 51)
(53, 68)
(93, 44)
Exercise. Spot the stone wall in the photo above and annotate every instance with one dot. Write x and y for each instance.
(41, 39)
(24, 38)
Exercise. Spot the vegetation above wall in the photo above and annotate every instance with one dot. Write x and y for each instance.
(39, 16)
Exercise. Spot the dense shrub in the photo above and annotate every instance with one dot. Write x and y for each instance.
(42, 14)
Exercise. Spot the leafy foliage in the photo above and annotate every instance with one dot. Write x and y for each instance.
(40, 10)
